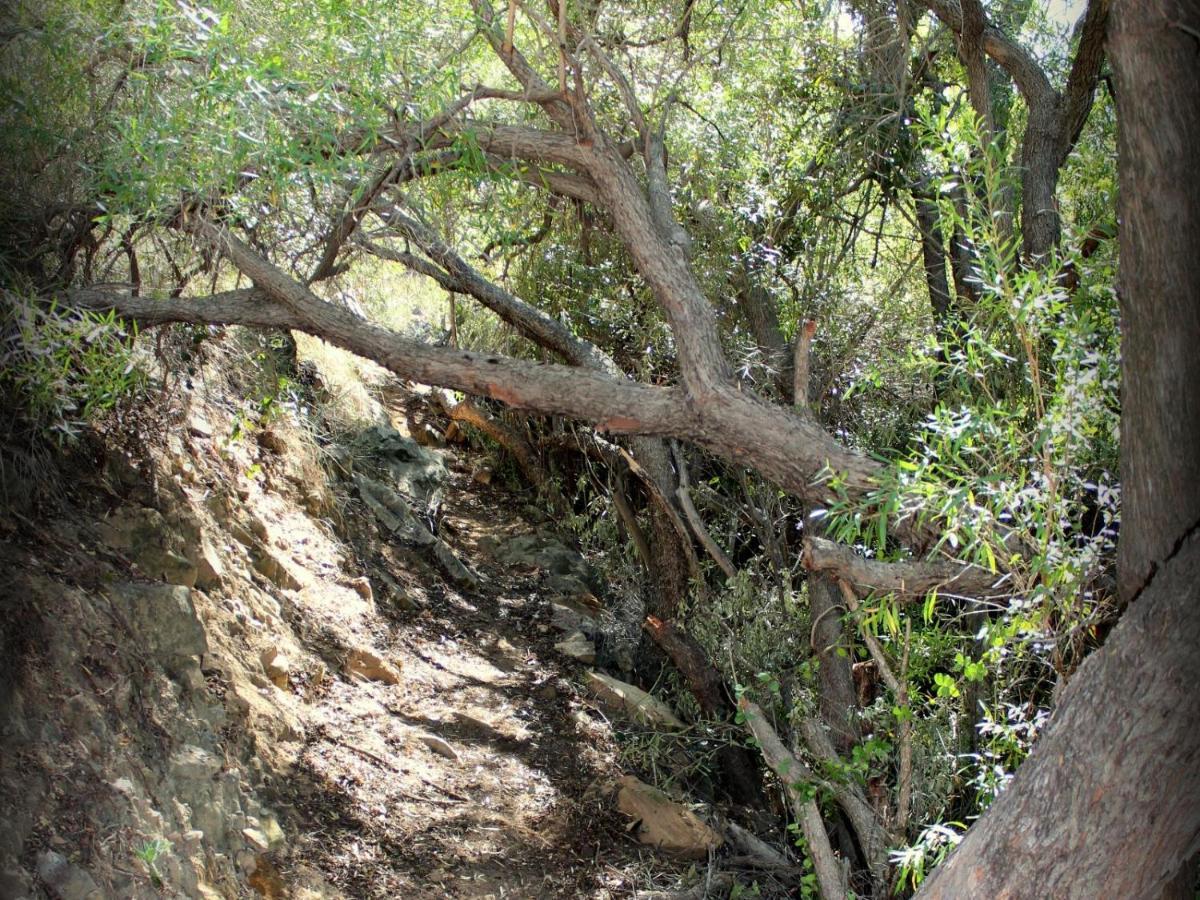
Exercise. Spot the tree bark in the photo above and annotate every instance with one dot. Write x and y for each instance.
(1108, 802)
(1158, 107)
(837, 698)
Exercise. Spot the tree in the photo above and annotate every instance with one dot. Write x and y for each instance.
(1115, 779)
(301, 175)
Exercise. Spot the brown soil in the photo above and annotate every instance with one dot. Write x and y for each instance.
(484, 772)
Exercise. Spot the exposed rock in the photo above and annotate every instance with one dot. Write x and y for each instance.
(664, 824)
(362, 587)
(145, 536)
(546, 552)
(568, 615)
(413, 470)
(164, 618)
(66, 882)
(369, 665)
(570, 588)
(194, 763)
(15, 882)
(632, 701)
(277, 666)
(210, 571)
(274, 833)
(438, 746)
(394, 512)
(198, 426)
(267, 564)
(454, 567)
(256, 839)
(577, 647)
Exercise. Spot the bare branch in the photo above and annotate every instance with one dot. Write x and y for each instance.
(683, 494)
(386, 175)
(909, 581)
(791, 772)
(535, 324)
(872, 836)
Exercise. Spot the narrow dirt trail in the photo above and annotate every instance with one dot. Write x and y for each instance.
(227, 675)
(477, 774)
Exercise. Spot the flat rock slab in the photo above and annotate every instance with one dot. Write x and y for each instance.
(664, 824)
(632, 701)
(369, 665)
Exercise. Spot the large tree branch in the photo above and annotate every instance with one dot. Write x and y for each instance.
(1085, 71)
(611, 403)
(738, 427)
(909, 581)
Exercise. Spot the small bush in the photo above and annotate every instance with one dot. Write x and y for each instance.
(61, 369)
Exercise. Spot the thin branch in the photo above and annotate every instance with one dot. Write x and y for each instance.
(683, 494)
(830, 878)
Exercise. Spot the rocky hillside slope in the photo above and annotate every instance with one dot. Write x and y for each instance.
(239, 661)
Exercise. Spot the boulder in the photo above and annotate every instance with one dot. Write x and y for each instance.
(568, 615)
(632, 701)
(394, 513)
(367, 664)
(454, 567)
(405, 465)
(546, 552)
(271, 567)
(664, 824)
(576, 646)
(210, 571)
(192, 763)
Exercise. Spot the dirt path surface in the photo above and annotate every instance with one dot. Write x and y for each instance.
(471, 776)
(227, 672)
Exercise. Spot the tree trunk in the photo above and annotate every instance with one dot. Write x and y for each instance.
(1108, 803)
(1158, 106)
